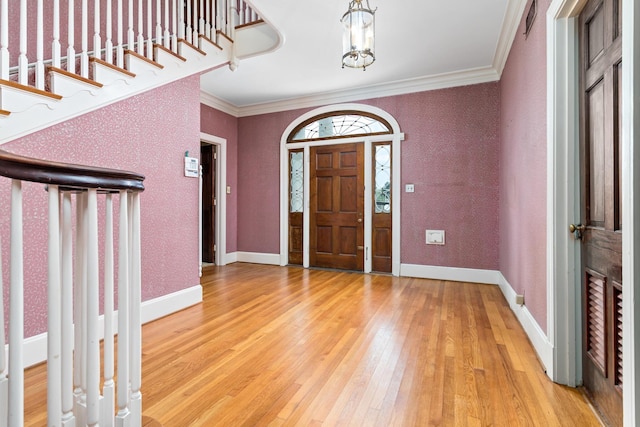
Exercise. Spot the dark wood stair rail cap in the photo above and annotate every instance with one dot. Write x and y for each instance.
(67, 175)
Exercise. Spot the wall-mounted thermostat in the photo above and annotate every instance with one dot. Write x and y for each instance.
(191, 167)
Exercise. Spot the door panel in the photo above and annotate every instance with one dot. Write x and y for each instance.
(296, 207)
(382, 213)
(208, 163)
(336, 207)
(600, 174)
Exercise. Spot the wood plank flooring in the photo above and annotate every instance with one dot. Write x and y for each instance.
(285, 346)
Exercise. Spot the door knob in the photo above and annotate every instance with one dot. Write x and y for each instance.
(359, 219)
(577, 230)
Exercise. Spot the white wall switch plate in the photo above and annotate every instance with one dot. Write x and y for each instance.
(435, 237)
(409, 188)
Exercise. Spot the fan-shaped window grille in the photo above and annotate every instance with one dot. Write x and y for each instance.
(343, 124)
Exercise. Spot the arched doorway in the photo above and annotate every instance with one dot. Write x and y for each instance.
(340, 189)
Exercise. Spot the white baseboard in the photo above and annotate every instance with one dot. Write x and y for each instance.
(472, 275)
(231, 257)
(536, 335)
(258, 258)
(35, 348)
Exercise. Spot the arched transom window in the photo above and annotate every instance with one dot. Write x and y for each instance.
(343, 124)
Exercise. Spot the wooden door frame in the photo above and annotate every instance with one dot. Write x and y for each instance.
(221, 206)
(395, 138)
(563, 199)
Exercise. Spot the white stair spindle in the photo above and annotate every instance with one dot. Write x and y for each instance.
(218, 16)
(84, 54)
(136, 325)
(194, 23)
(56, 53)
(123, 416)
(120, 41)
(174, 26)
(54, 306)
(207, 14)
(23, 62)
(241, 13)
(201, 21)
(108, 389)
(131, 35)
(181, 23)
(39, 46)
(158, 23)
(4, 382)
(149, 30)
(108, 42)
(140, 47)
(79, 371)
(166, 39)
(16, 311)
(4, 39)
(92, 303)
(189, 31)
(71, 52)
(68, 418)
(97, 40)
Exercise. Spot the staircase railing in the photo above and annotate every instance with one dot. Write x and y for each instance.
(105, 30)
(74, 397)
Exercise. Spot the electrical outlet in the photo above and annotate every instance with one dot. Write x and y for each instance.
(520, 299)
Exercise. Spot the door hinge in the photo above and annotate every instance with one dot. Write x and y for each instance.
(215, 156)
(215, 202)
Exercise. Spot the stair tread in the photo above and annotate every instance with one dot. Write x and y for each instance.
(194, 47)
(205, 38)
(113, 67)
(143, 58)
(169, 51)
(29, 89)
(74, 76)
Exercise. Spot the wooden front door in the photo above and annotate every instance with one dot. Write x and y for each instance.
(602, 291)
(208, 163)
(337, 207)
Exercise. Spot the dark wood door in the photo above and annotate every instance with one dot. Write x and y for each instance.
(208, 163)
(601, 55)
(337, 207)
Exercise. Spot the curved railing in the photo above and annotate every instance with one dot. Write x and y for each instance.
(74, 396)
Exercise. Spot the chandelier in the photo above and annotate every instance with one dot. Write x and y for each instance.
(358, 38)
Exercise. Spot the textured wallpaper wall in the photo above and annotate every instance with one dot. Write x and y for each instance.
(523, 168)
(149, 134)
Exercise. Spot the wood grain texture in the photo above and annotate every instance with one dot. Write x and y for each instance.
(286, 346)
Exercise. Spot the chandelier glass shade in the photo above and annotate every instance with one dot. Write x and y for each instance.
(358, 38)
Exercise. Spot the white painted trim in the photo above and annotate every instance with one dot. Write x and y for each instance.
(258, 258)
(455, 274)
(630, 205)
(221, 191)
(512, 18)
(563, 194)
(35, 347)
(536, 335)
(396, 138)
(231, 257)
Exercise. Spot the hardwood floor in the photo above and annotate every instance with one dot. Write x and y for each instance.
(273, 346)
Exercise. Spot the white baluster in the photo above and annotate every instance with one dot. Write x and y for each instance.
(241, 13)
(71, 52)
(23, 62)
(120, 42)
(218, 20)
(93, 313)
(79, 311)
(123, 416)
(189, 31)
(149, 30)
(68, 418)
(16, 311)
(56, 54)
(84, 55)
(158, 22)
(167, 35)
(201, 22)
(54, 306)
(108, 43)
(174, 26)
(136, 301)
(4, 382)
(195, 22)
(4, 39)
(207, 27)
(140, 47)
(97, 40)
(130, 32)
(181, 23)
(39, 46)
(108, 389)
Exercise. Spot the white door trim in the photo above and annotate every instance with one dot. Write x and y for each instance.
(221, 191)
(395, 139)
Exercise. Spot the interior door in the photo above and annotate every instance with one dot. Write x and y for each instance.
(601, 226)
(337, 206)
(208, 163)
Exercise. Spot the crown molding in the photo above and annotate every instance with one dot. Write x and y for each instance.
(512, 18)
(421, 84)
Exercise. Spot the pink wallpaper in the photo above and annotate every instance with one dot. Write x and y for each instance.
(217, 123)
(523, 169)
(149, 134)
(451, 154)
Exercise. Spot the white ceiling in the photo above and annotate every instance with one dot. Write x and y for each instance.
(420, 45)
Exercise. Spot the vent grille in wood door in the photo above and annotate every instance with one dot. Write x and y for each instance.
(617, 300)
(596, 324)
